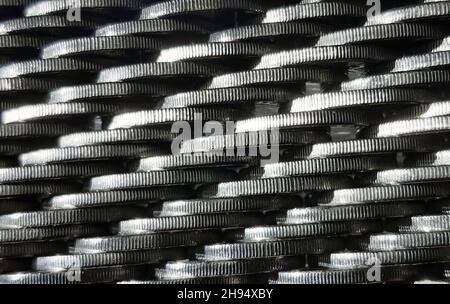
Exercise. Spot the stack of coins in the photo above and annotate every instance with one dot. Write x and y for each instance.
(224, 142)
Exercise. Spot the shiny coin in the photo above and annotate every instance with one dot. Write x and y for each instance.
(423, 78)
(57, 7)
(301, 120)
(419, 62)
(206, 206)
(189, 222)
(280, 32)
(252, 140)
(69, 217)
(65, 262)
(93, 275)
(280, 185)
(144, 241)
(51, 233)
(154, 71)
(232, 96)
(348, 276)
(430, 223)
(194, 269)
(385, 32)
(84, 153)
(59, 111)
(422, 12)
(328, 55)
(390, 241)
(410, 127)
(178, 8)
(153, 28)
(159, 178)
(276, 76)
(113, 46)
(58, 26)
(166, 116)
(51, 67)
(314, 11)
(360, 98)
(360, 259)
(31, 130)
(214, 51)
(367, 146)
(108, 93)
(255, 250)
(58, 171)
(197, 160)
(351, 213)
(36, 189)
(326, 166)
(118, 136)
(117, 198)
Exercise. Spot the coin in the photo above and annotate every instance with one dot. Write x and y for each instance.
(326, 55)
(94, 275)
(82, 261)
(117, 198)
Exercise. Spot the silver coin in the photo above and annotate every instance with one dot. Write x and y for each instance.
(302, 120)
(58, 111)
(422, 12)
(54, 7)
(198, 160)
(196, 7)
(360, 98)
(159, 178)
(117, 198)
(153, 27)
(206, 206)
(166, 116)
(240, 141)
(85, 153)
(214, 50)
(256, 250)
(109, 45)
(195, 269)
(314, 11)
(384, 32)
(343, 260)
(351, 213)
(348, 276)
(117, 136)
(144, 241)
(419, 79)
(157, 71)
(51, 233)
(82, 261)
(280, 185)
(391, 193)
(46, 26)
(389, 242)
(37, 189)
(69, 217)
(94, 275)
(276, 76)
(328, 55)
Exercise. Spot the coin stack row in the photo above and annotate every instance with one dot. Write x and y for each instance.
(224, 141)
